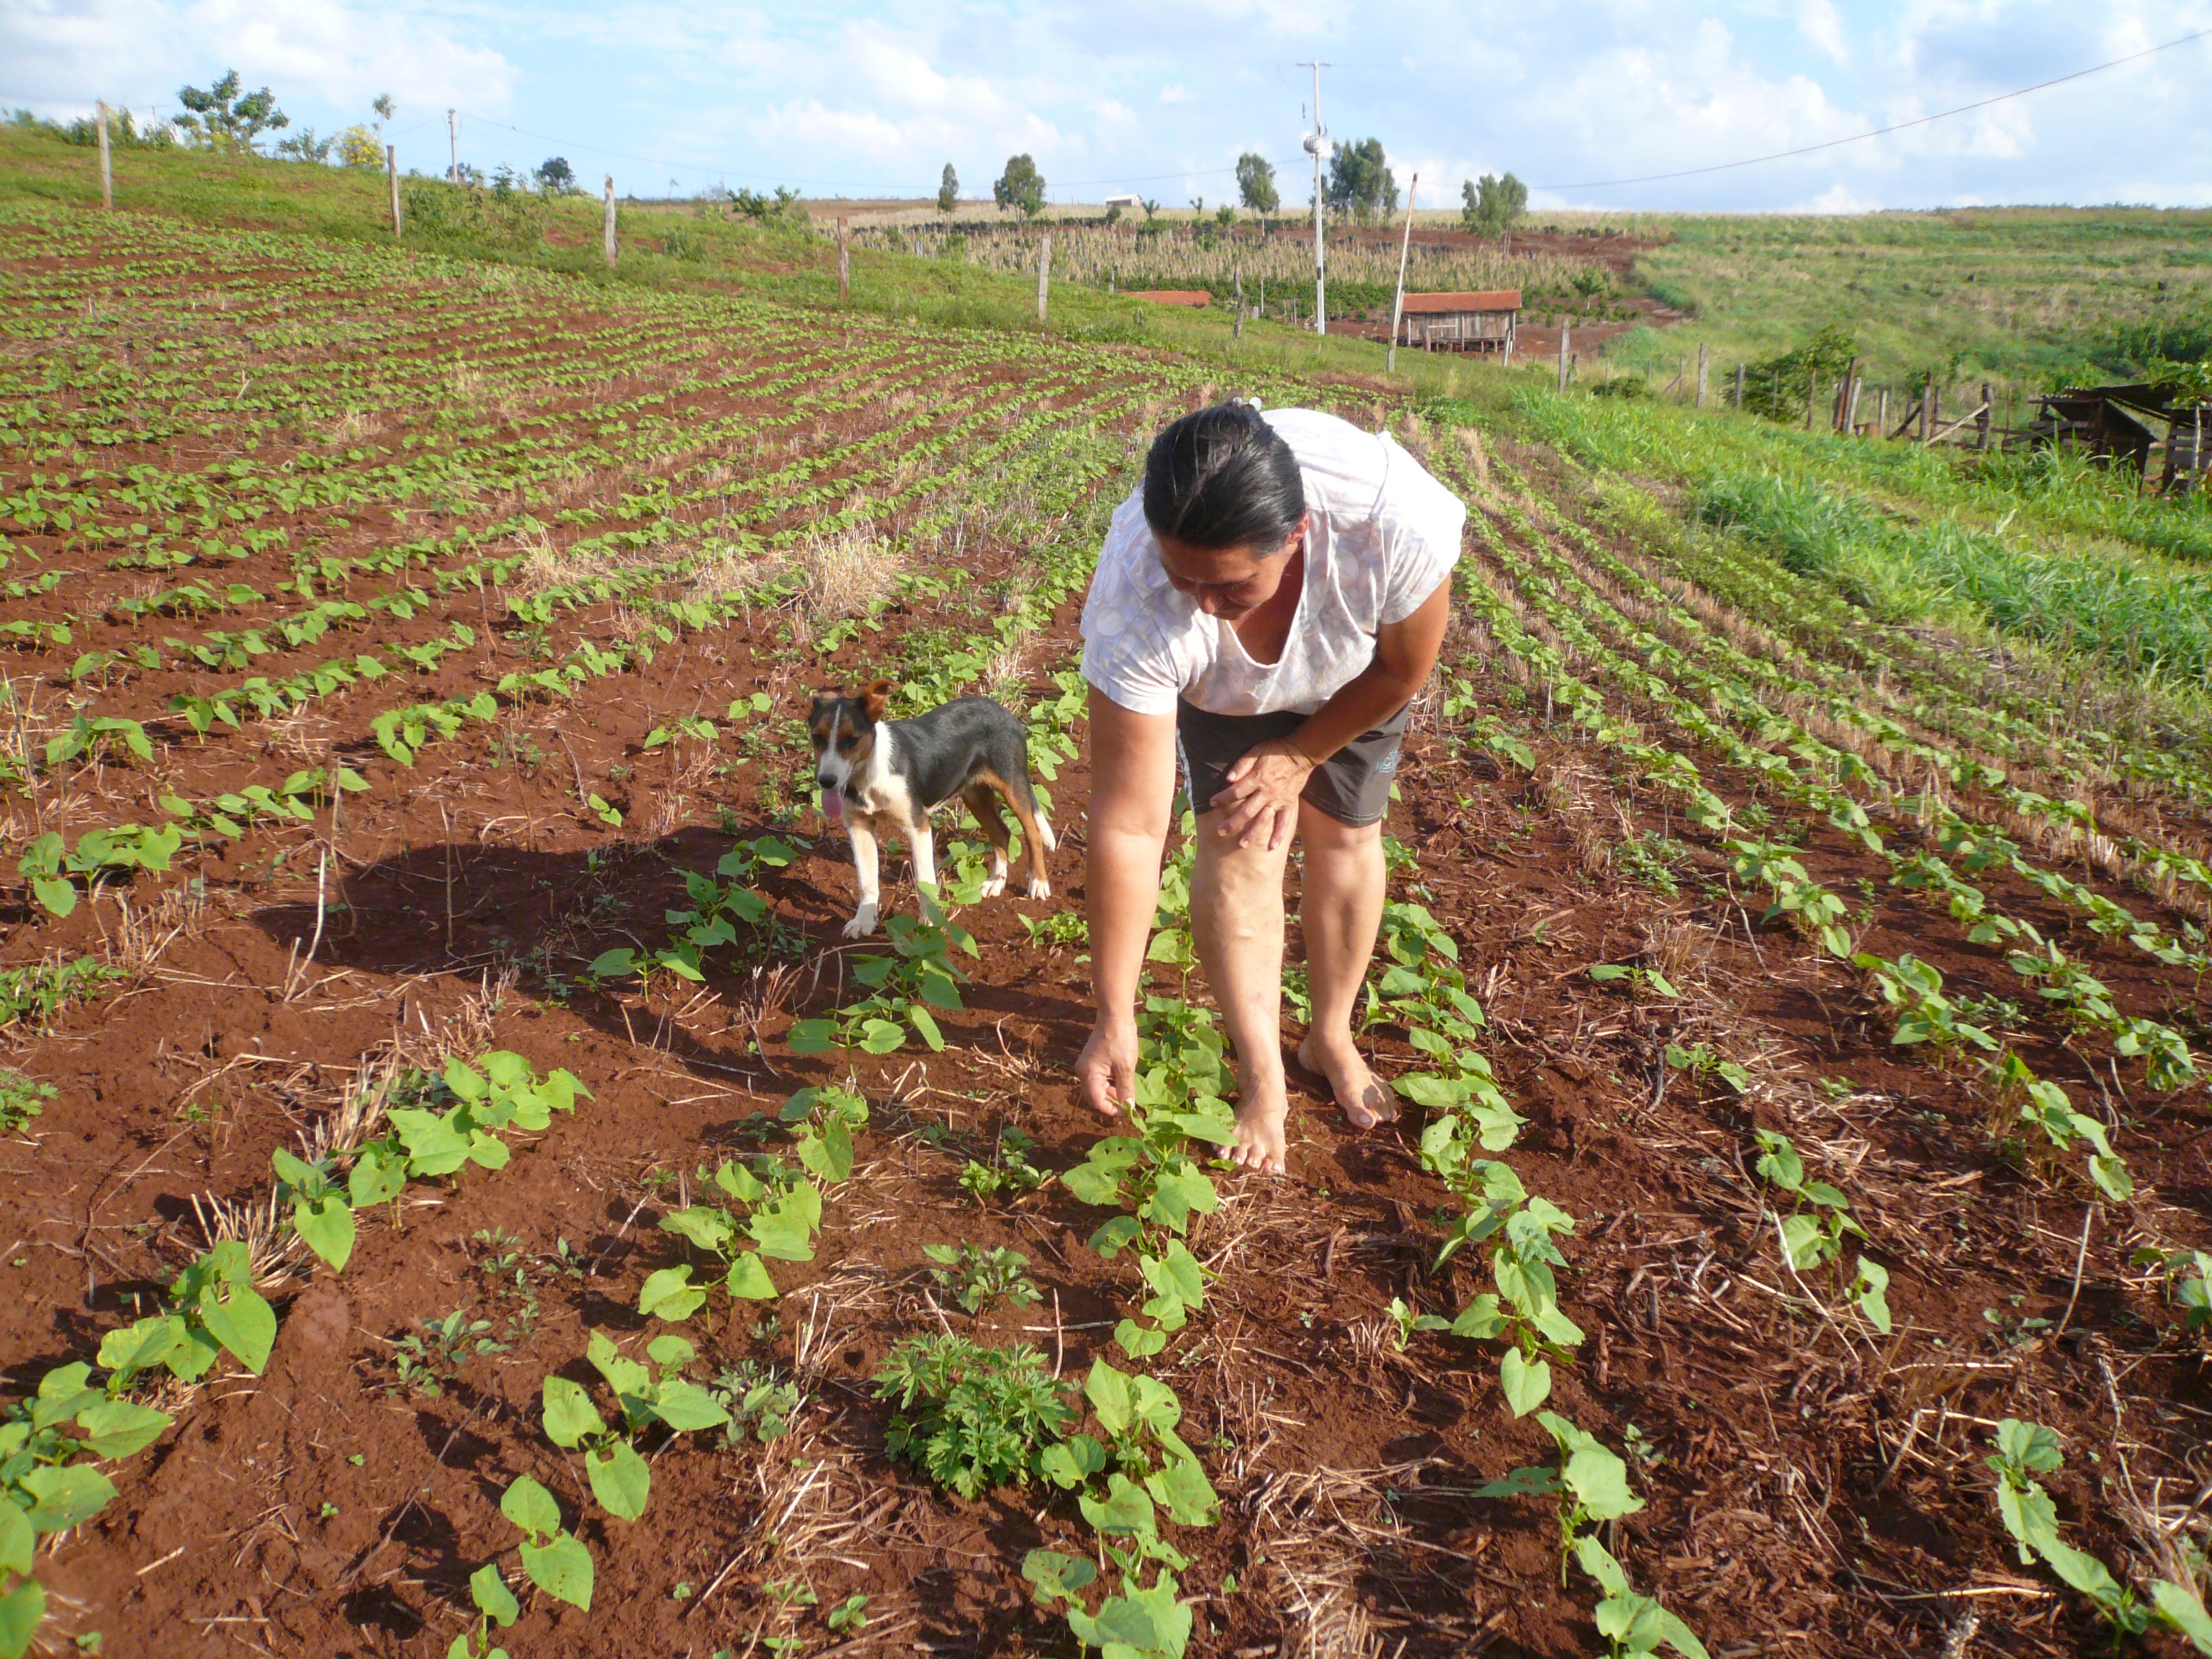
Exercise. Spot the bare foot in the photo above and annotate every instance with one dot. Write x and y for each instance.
(1364, 1097)
(1260, 1145)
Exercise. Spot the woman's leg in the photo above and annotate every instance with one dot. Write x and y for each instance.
(1236, 926)
(1341, 913)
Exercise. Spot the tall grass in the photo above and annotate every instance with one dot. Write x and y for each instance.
(2041, 547)
(2148, 619)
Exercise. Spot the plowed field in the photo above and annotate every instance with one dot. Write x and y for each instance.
(427, 1011)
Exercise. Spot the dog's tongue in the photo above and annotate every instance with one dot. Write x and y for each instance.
(833, 804)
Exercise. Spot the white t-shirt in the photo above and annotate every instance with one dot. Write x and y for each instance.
(1383, 534)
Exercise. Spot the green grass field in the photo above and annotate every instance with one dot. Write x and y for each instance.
(2025, 298)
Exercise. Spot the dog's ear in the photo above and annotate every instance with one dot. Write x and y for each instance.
(877, 697)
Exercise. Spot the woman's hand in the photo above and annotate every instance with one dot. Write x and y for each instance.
(1258, 804)
(1107, 1068)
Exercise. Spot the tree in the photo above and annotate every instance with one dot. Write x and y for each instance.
(1255, 183)
(555, 176)
(1359, 182)
(1021, 185)
(304, 146)
(1491, 203)
(384, 109)
(948, 189)
(221, 119)
(358, 148)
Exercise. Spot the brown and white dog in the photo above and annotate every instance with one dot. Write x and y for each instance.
(879, 775)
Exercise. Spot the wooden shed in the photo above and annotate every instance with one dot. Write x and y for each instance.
(1171, 296)
(1480, 321)
(2123, 423)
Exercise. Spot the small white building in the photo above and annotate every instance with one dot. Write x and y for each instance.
(1126, 199)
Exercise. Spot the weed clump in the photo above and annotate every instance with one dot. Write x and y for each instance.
(972, 1418)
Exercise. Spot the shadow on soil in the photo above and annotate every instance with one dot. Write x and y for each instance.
(469, 910)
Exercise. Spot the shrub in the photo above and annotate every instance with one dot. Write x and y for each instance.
(972, 1418)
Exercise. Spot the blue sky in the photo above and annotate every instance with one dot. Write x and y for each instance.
(1160, 98)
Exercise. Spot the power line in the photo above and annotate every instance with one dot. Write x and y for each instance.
(1808, 149)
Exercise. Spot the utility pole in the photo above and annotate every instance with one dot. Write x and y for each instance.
(1318, 147)
(1398, 304)
(392, 176)
(453, 146)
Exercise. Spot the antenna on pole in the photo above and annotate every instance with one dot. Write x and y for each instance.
(1318, 146)
(453, 147)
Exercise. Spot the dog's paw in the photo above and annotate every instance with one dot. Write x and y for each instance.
(862, 924)
(1039, 888)
(993, 888)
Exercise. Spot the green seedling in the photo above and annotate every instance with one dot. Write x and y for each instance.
(1813, 1237)
(213, 1309)
(757, 1398)
(1632, 1625)
(1060, 927)
(650, 1397)
(977, 1278)
(782, 1209)
(21, 1099)
(424, 1361)
(1700, 1062)
(903, 989)
(1636, 979)
(1177, 1100)
(1009, 1176)
(1591, 1482)
(1497, 1210)
(972, 1418)
(47, 1484)
(850, 1614)
(2024, 1450)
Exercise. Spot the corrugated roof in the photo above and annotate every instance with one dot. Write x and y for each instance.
(1171, 296)
(1498, 299)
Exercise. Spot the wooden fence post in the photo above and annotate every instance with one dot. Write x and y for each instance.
(1236, 277)
(1881, 419)
(1928, 410)
(1563, 356)
(1701, 374)
(107, 164)
(1983, 421)
(1044, 272)
(391, 174)
(610, 248)
(1851, 405)
(844, 262)
(1739, 386)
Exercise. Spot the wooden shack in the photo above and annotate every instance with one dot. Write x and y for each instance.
(2125, 423)
(1171, 296)
(1461, 322)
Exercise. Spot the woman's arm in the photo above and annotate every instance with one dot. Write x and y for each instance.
(1133, 769)
(1260, 801)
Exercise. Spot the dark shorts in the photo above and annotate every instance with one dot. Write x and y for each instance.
(1352, 785)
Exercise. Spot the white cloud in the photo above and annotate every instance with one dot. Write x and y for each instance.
(1840, 198)
(856, 90)
(1818, 21)
(342, 55)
